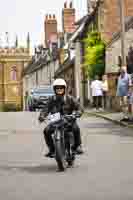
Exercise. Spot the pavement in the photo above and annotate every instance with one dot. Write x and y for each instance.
(103, 172)
(114, 117)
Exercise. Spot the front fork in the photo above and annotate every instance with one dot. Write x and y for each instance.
(69, 143)
(59, 135)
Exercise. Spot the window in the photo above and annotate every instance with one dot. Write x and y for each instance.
(14, 73)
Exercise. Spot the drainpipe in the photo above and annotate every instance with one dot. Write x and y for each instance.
(122, 24)
(77, 73)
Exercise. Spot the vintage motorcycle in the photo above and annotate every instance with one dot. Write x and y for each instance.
(63, 138)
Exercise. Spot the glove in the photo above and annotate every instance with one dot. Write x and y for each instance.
(40, 119)
(77, 114)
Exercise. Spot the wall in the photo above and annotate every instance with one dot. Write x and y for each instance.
(11, 90)
(112, 67)
(114, 50)
(109, 16)
(40, 77)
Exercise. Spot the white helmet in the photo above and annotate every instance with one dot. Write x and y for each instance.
(59, 82)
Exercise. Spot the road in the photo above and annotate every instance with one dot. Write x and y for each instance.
(104, 172)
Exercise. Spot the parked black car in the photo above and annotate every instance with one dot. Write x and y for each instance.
(40, 96)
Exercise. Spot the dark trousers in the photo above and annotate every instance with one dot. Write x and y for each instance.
(49, 141)
(104, 99)
(97, 102)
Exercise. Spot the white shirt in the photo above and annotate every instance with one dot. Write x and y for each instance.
(96, 87)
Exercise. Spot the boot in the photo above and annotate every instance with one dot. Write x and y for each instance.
(79, 150)
(50, 154)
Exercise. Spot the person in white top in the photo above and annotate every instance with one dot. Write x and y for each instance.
(97, 93)
(105, 89)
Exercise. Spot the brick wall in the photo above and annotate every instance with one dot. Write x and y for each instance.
(109, 12)
(129, 7)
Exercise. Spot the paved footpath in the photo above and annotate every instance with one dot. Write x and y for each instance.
(111, 116)
(104, 172)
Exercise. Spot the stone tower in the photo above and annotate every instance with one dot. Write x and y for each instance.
(12, 63)
(28, 42)
(16, 42)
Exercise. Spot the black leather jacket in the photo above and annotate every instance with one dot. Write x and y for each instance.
(65, 105)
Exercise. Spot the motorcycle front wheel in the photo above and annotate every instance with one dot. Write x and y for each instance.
(70, 154)
(60, 152)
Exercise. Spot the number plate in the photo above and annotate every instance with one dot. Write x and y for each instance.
(54, 117)
(43, 98)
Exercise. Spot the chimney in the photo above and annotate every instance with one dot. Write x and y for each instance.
(65, 5)
(71, 4)
(46, 17)
(68, 18)
(50, 26)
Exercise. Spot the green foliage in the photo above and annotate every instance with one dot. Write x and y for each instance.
(94, 59)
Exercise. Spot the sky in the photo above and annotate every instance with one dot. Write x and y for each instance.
(23, 16)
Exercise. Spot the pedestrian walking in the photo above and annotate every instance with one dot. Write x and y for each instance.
(97, 93)
(105, 90)
(123, 84)
(30, 101)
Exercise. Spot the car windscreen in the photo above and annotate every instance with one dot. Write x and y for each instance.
(44, 91)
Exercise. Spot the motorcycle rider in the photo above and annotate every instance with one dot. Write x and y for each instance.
(65, 104)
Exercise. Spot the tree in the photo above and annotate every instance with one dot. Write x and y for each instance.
(94, 59)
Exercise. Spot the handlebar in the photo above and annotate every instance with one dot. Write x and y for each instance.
(65, 116)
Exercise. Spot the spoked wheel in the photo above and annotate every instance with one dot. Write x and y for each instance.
(60, 155)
